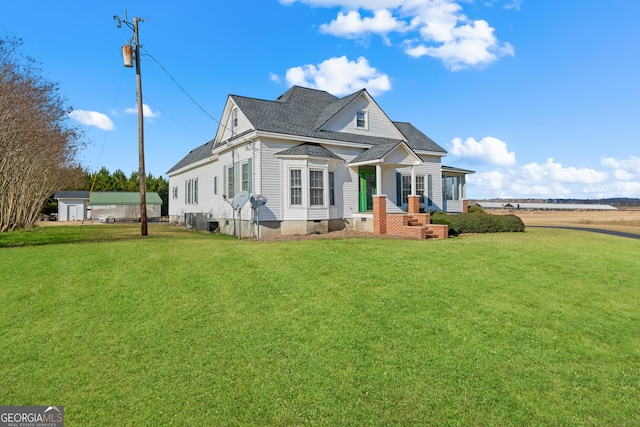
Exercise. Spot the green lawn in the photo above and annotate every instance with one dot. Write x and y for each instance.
(185, 328)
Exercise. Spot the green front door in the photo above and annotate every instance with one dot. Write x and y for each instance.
(367, 189)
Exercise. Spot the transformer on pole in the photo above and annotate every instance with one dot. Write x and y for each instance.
(131, 53)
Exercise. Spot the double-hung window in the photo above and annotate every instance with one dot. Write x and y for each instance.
(406, 188)
(190, 191)
(420, 187)
(361, 119)
(244, 186)
(316, 188)
(295, 184)
(230, 183)
(234, 118)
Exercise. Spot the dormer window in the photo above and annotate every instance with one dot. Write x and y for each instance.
(361, 119)
(234, 118)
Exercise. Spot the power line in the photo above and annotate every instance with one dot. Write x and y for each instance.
(176, 121)
(182, 88)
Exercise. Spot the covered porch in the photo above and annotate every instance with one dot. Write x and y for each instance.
(377, 169)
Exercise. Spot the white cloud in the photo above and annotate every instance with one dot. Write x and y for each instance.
(146, 111)
(515, 4)
(470, 45)
(274, 77)
(625, 170)
(339, 76)
(351, 25)
(549, 179)
(554, 172)
(444, 31)
(488, 150)
(92, 118)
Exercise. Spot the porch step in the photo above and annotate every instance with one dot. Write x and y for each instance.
(417, 232)
(414, 223)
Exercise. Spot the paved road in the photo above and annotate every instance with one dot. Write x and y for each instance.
(593, 230)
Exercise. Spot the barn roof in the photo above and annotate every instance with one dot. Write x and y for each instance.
(122, 198)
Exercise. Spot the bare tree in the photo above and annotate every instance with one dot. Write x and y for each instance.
(37, 145)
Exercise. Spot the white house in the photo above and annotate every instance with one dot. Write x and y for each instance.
(323, 163)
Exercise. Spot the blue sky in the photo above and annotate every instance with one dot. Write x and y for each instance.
(540, 97)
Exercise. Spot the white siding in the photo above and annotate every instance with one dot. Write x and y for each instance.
(400, 156)
(378, 124)
(228, 128)
(71, 209)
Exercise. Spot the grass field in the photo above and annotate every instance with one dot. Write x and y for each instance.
(186, 328)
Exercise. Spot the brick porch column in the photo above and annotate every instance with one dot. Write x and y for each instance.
(465, 206)
(380, 214)
(414, 204)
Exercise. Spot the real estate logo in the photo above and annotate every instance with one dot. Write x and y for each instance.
(31, 416)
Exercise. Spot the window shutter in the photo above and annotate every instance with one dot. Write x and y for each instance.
(236, 178)
(429, 190)
(224, 180)
(195, 191)
(250, 167)
(399, 188)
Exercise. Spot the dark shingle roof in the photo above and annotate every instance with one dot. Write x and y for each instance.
(194, 155)
(71, 195)
(314, 150)
(301, 112)
(376, 152)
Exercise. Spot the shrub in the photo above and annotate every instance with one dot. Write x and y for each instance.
(478, 222)
(476, 209)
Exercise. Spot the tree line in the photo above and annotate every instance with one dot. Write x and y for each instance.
(38, 146)
(103, 180)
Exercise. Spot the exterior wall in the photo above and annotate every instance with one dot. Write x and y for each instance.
(124, 211)
(378, 124)
(71, 209)
(430, 166)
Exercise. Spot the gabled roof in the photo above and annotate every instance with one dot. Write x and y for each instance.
(376, 152)
(302, 111)
(311, 150)
(379, 151)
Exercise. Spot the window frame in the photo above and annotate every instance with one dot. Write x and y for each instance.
(361, 119)
(295, 187)
(234, 118)
(406, 191)
(332, 188)
(316, 192)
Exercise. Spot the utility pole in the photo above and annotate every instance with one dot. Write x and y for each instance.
(127, 53)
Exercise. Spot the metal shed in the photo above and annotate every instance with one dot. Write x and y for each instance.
(123, 205)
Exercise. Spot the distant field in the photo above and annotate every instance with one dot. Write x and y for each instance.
(188, 328)
(619, 220)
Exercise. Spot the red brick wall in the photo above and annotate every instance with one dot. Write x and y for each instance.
(414, 204)
(439, 231)
(379, 215)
